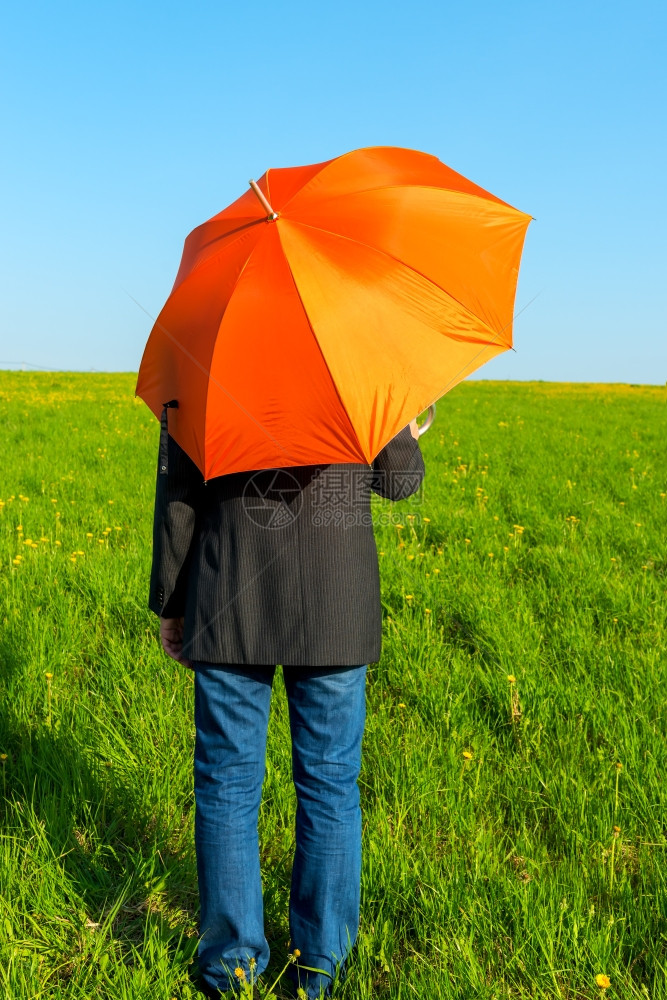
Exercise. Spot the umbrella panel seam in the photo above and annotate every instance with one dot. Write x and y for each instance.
(241, 230)
(417, 187)
(481, 192)
(212, 377)
(319, 347)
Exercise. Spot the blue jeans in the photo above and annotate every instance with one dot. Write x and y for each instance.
(327, 714)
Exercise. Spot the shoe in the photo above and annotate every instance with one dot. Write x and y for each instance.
(202, 986)
(213, 994)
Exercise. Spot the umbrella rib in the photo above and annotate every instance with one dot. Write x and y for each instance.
(481, 194)
(240, 230)
(319, 229)
(207, 372)
(219, 385)
(226, 391)
(310, 179)
(319, 347)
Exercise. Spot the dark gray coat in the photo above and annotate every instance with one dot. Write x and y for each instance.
(278, 566)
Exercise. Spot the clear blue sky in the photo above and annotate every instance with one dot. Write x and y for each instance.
(125, 125)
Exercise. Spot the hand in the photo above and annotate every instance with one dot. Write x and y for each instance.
(414, 429)
(171, 635)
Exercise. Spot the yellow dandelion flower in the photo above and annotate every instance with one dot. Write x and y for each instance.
(19, 527)
(380, 553)
(604, 982)
(27, 541)
(618, 764)
(408, 597)
(101, 540)
(467, 755)
(89, 534)
(467, 541)
(511, 678)
(616, 830)
(506, 548)
(409, 517)
(58, 542)
(490, 555)
(436, 570)
(43, 539)
(3, 757)
(239, 973)
(439, 552)
(428, 519)
(48, 675)
(410, 557)
(117, 527)
(427, 611)
(296, 953)
(53, 500)
(16, 561)
(400, 526)
(109, 501)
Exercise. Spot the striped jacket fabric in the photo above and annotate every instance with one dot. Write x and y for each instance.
(278, 566)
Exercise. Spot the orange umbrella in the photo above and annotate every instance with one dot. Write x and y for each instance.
(330, 304)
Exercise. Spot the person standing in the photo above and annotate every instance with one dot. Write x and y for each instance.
(251, 570)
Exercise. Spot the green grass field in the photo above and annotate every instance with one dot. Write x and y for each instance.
(515, 832)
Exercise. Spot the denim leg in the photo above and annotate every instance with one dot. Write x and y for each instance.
(231, 718)
(327, 709)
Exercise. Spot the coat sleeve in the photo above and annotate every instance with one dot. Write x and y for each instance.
(177, 493)
(398, 470)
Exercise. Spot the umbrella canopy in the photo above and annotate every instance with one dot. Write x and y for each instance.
(330, 304)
